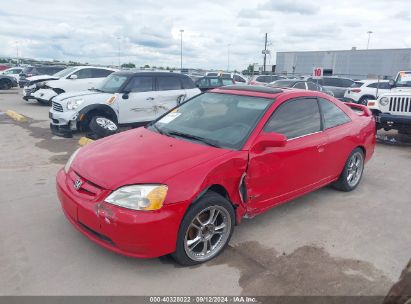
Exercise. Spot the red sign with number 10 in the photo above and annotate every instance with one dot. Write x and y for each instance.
(317, 73)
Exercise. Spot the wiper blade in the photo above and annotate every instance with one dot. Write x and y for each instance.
(94, 89)
(198, 138)
(158, 129)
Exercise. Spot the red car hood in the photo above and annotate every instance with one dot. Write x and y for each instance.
(139, 156)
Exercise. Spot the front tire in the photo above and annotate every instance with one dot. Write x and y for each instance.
(352, 172)
(103, 126)
(205, 230)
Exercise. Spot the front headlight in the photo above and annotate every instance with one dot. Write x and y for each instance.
(74, 104)
(70, 160)
(384, 101)
(139, 197)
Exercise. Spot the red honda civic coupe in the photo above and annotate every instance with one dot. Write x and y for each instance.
(180, 184)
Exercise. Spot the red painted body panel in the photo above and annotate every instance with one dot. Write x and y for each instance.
(140, 156)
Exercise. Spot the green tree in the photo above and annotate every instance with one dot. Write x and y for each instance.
(128, 65)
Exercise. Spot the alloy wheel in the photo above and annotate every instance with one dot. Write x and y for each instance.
(355, 169)
(106, 123)
(207, 233)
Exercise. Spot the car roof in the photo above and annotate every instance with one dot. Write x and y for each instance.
(368, 81)
(150, 73)
(250, 90)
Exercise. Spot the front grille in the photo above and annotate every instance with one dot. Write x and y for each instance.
(87, 189)
(57, 107)
(400, 104)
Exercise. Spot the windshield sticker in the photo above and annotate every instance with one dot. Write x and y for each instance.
(169, 117)
(405, 76)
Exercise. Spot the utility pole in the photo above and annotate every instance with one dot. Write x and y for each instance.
(228, 57)
(369, 36)
(265, 52)
(181, 50)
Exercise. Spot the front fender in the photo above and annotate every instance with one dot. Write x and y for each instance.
(226, 171)
(100, 108)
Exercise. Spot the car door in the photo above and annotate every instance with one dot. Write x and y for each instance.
(282, 173)
(81, 83)
(339, 142)
(170, 93)
(137, 104)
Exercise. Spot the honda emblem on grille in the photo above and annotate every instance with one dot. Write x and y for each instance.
(77, 184)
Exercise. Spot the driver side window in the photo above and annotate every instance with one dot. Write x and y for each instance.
(140, 84)
(84, 73)
(295, 118)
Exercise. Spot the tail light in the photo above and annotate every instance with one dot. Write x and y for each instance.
(356, 90)
(253, 82)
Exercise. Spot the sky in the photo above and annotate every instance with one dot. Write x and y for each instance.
(217, 34)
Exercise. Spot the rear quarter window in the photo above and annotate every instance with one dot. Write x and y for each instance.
(333, 115)
(188, 83)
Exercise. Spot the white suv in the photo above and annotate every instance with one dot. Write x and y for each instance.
(124, 98)
(393, 110)
(363, 90)
(79, 78)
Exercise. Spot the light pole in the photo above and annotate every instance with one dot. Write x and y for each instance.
(119, 57)
(369, 36)
(228, 57)
(181, 50)
(17, 52)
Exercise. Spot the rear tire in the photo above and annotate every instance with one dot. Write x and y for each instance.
(205, 230)
(364, 100)
(352, 173)
(103, 126)
(5, 85)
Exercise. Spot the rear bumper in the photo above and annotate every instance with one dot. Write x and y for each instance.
(141, 234)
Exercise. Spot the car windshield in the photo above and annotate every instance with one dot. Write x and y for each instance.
(215, 119)
(112, 83)
(64, 73)
(282, 84)
(404, 79)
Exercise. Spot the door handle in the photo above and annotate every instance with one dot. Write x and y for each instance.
(181, 98)
(150, 98)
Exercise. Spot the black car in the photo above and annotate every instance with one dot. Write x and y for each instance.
(7, 82)
(38, 70)
(211, 82)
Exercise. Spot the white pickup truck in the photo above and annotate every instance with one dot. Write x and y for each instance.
(392, 110)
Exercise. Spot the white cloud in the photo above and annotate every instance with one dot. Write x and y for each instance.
(88, 31)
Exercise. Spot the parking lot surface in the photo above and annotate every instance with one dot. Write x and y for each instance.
(325, 243)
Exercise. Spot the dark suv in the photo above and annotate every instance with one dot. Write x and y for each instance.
(337, 85)
(38, 70)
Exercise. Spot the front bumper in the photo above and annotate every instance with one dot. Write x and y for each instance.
(141, 234)
(44, 95)
(63, 123)
(390, 121)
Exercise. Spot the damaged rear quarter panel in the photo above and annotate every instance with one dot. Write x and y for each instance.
(225, 171)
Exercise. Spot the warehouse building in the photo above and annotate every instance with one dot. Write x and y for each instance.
(356, 64)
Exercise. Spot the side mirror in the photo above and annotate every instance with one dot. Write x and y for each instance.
(391, 82)
(269, 140)
(73, 76)
(125, 94)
